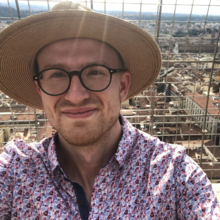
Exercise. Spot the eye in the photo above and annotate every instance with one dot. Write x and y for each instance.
(95, 73)
(57, 75)
(53, 74)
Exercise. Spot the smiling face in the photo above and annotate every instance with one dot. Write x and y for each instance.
(81, 116)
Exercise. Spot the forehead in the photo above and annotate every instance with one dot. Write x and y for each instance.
(72, 43)
(76, 48)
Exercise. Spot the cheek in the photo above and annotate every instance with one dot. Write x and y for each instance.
(114, 90)
(49, 102)
(110, 99)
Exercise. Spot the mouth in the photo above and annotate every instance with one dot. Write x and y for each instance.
(79, 112)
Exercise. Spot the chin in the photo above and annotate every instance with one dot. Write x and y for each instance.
(81, 136)
(81, 133)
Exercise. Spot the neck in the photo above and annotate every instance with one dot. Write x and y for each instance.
(82, 163)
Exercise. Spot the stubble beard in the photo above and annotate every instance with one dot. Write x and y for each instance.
(81, 134)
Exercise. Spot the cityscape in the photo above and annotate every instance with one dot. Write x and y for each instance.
(182, 107)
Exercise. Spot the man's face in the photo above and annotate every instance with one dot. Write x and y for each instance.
(81, 116)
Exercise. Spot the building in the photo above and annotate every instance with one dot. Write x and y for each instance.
(196, 105)
(191, 47)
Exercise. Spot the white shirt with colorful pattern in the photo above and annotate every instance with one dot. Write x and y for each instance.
(145, 179)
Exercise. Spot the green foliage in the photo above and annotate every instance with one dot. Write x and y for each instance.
(179, 34)
(195, 32)
(209, 30)
(192, 32)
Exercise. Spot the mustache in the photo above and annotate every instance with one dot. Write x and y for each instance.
(68, 104)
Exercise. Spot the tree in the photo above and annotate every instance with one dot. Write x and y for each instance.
(209, 30)
(179, 34)
(195, 32)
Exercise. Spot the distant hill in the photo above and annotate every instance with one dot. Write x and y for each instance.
(4, 12)
(24, 6)
(128, 15)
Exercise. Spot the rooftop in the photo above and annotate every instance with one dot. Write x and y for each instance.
(201, 101)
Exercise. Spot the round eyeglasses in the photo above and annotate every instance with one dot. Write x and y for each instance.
(56, 81)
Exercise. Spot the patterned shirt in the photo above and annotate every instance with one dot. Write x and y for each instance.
(145, 179)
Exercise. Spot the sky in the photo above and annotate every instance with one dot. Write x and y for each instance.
(183, 6)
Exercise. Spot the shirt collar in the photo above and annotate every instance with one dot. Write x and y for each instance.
(49, 146)
(126, 143)
(124, 148)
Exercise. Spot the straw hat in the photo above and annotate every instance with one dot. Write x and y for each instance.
(20, 42)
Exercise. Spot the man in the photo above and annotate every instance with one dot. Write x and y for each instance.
(97, 166)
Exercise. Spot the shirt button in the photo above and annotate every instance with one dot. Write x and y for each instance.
(80, 201)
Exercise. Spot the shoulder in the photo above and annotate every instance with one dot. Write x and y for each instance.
(158, 150)
(19, 148)
(17, 153)
(143, 147)
(17, 160)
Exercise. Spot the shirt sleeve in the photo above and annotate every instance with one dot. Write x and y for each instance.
(6, 182)
(196, 198)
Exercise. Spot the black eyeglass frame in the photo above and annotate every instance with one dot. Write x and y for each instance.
(77, 73)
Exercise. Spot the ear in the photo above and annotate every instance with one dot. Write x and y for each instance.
(38, 87)
(124, 85)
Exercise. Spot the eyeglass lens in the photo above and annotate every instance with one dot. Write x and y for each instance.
(55, 81)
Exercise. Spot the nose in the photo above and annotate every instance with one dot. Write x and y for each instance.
(76, 93)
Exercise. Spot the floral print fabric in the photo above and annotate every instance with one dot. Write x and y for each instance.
(145, 179)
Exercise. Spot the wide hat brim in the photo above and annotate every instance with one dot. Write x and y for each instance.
(20, 42)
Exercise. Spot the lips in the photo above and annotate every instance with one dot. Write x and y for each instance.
(79, 112)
